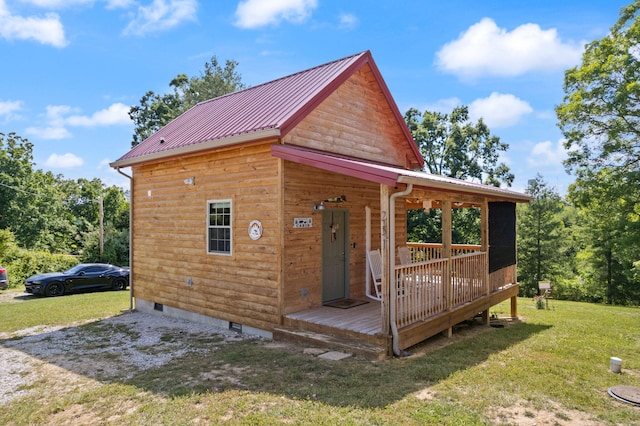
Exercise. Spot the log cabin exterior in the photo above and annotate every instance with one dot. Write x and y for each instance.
(256, 209)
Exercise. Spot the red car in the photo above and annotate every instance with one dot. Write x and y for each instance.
(4, 281)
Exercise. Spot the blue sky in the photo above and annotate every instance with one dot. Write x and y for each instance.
(71, 69)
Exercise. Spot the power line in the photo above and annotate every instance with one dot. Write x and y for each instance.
(36, 194)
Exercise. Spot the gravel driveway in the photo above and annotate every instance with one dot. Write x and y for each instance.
(112, 349)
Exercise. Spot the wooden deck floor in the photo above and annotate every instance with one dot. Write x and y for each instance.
(365, 319)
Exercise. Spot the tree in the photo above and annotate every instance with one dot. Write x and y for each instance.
(16, 167)
(540, 237)
(454, 146)
(600, 113)
(609, 232)
(155, 111)
(600, 119)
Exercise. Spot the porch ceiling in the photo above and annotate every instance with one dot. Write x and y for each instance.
(390, 175)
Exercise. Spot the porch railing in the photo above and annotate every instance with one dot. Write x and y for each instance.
(428, 288)
(421, 252)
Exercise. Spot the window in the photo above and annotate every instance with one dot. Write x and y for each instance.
(219, 226)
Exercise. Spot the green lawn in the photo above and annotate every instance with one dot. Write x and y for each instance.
(550, 367)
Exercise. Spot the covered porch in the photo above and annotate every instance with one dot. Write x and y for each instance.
(432, 295)
(440, 286)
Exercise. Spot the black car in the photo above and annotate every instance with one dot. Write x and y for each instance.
(82, 277)
(4, 281)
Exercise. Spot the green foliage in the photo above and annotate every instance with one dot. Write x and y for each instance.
(600, 114)
(427, 227)
(21, 263)
(541, 236)
(600, 119)
(609, 233)
(454, 146)
(44, 212)
(115, 249)
(156, 110)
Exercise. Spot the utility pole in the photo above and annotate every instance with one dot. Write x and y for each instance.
(101, 214)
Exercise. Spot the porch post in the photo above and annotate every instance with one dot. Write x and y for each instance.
(384, 251)
(446, 253)
(484, 236)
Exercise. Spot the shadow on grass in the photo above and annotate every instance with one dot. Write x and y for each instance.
(258, 367)
(180, 363)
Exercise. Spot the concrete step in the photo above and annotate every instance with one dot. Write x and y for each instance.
(320, 340)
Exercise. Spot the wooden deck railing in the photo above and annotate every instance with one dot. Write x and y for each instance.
(428, 288)
(421, 252)
(431, 285)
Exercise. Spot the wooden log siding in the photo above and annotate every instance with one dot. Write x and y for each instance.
(355, 120)
(302, 264)
(170, 239)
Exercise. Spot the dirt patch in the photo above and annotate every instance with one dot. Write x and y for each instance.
(112, 349)
(553, 415)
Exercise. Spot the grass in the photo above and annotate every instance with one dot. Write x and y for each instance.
(69, 309)
(551, 367)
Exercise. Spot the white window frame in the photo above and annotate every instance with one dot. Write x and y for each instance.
(218, 226)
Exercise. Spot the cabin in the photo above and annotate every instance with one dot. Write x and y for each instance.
(281, 211)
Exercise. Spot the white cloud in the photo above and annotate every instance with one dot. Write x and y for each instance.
(59, 117)
(499, 110)
(49, 133)
(117, 113)
(64, 161)
(8, 108)
(547, 154)
(57, 4)
(47, 30)
(119, 4)
(445, 105)
(258, 13)
(104, 164)
(486, 49)
(348, 21)
(161, 15)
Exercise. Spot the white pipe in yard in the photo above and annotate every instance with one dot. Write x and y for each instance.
(392, 267)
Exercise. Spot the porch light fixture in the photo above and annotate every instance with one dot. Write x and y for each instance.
(318, 207)
(190, 181)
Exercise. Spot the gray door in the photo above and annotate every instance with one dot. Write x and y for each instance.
(335, 254)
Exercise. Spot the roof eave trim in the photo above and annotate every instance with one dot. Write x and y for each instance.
(486, 191)
(202, 146)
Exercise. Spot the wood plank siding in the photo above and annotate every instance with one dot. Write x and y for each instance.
(302, 269)
(170, 238)
(355, 120)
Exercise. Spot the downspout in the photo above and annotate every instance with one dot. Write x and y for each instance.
(392, 267)
(130, 237)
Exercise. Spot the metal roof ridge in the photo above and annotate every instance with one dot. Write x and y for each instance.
(281, 78)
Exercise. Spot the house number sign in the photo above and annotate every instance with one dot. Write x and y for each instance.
(255, 230)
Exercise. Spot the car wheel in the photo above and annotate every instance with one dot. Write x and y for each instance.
(119, 284)
(54, 289)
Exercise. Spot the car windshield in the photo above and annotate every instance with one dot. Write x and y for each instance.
(75, 269)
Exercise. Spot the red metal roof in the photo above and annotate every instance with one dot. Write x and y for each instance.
(388, 174)
(270, 109)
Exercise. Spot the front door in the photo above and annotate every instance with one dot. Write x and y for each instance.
(335, 254)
